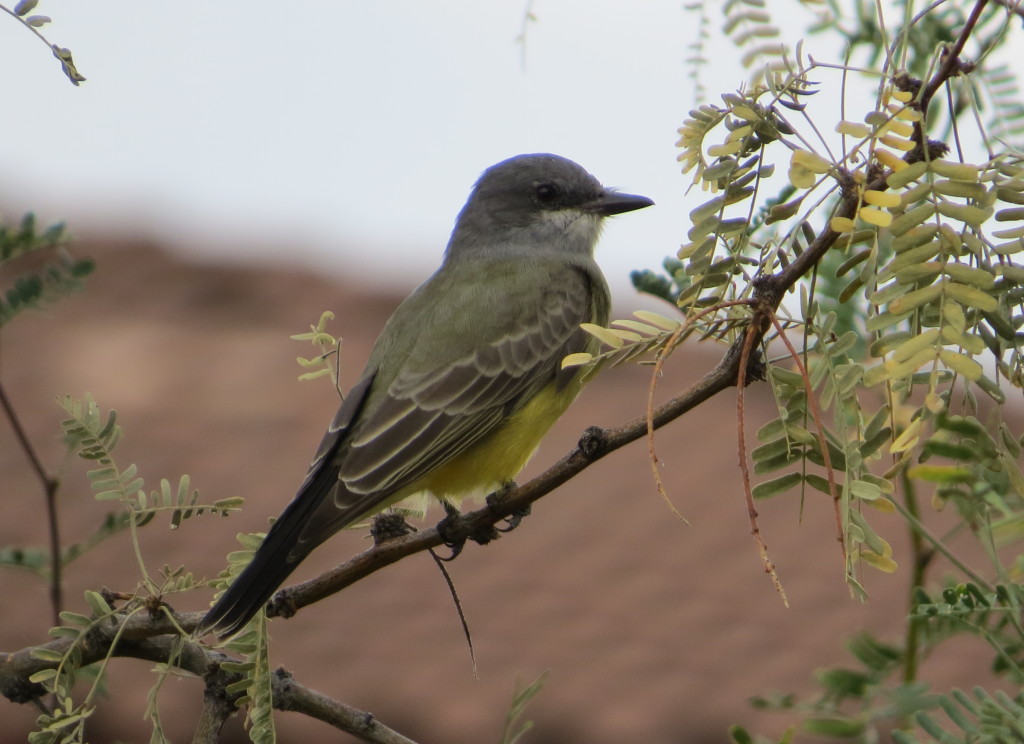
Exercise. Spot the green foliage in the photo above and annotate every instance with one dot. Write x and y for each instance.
(35, 286)
(94, 438)
(329, 346)
(911, 325)
(37, 560)
(253, 673)
(163, 670)
(33, 23)
(985, 718)
(520, 699)
(66, 723)
(253, 684)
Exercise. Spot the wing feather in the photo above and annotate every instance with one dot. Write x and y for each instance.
(426, 417)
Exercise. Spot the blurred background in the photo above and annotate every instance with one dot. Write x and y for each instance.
(320, 134)
(235, 169)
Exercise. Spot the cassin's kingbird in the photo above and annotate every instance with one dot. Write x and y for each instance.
(466, 377)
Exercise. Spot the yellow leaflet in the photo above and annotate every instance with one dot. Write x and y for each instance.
(918, 271)
(899, 370)
(800, 177)
(969, 275)
(1014, 273)
(811, 161)
(883, 505)
(1011, 214)
(1011, 195)
(890, 160)
(963, 189)
(602, 334)
(668, 324)
(842, 224)
(897, 143)
(953, 314)
(853, 129)
(914, 237)
(881, 198)
(744, 112)
(913, 300)
(630, 336)
(971, 296)
(897, 180)
(973, 344)
(954, 170)
(575, 360)
(934, 402)
(951, 240)
(1016, 232)
(875, 216)
(900, 128)
(907, 439)
(633, 325)
(960, 363)
(972, 215)
(915, 193)
(1009, 248)
(911, 218)
(729, 148)
(881, 562)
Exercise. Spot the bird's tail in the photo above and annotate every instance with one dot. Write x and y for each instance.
(280, 553)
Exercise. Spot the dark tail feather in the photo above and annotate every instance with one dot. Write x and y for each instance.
(279, 555)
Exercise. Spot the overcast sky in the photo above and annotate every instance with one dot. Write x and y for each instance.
(346, 135)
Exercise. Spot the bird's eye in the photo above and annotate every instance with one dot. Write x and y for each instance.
(546, 193)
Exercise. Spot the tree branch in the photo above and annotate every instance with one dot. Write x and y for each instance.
(203, 662)
(479, 525)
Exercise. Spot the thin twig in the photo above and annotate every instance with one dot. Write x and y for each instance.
(652, 454)
(819, 424)
(50, 486)
(749, 339)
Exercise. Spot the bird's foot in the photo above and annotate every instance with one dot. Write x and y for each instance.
(389, 525)
(515, 517)
(455, 530)
(450, 532)
(282, 604)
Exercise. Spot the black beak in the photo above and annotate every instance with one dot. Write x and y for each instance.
(613, 202)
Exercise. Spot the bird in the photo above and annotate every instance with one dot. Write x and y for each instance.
(466, 377)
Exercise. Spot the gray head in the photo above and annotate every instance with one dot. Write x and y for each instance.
(541, 200)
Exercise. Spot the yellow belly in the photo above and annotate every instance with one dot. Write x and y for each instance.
(498, 458)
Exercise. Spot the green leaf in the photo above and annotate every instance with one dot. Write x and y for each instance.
(777, 485)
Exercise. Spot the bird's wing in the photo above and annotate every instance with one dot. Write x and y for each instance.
(429, 415)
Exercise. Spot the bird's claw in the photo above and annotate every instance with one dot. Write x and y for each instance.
(446, 527)
(515, 517)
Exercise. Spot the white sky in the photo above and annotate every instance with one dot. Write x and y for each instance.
(342, 134)
(346, 135)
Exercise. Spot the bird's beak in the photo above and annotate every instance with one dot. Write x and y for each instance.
(613, 202)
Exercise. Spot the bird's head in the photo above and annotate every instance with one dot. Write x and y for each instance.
(540, 199)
